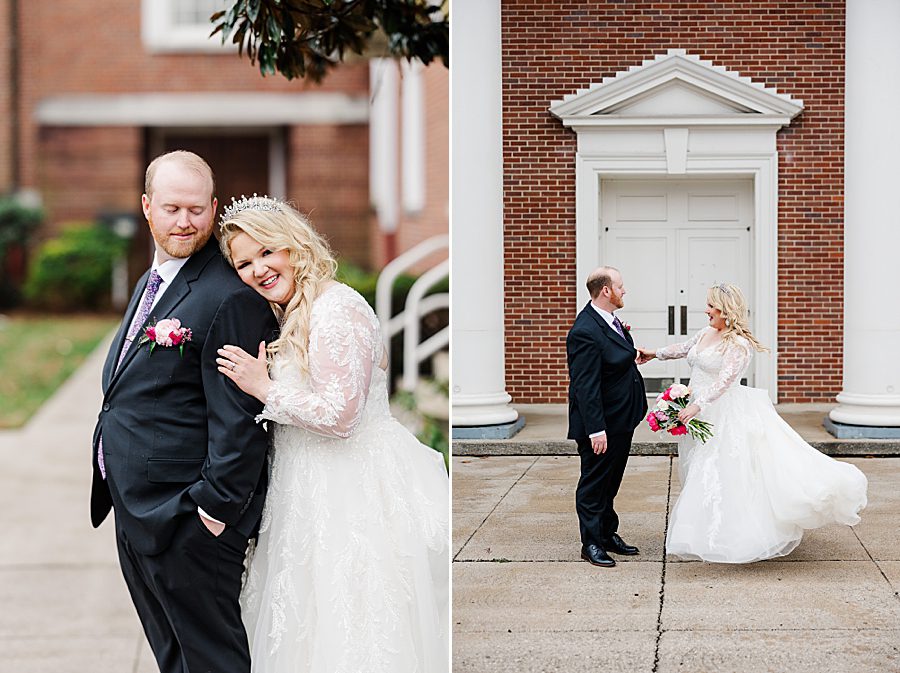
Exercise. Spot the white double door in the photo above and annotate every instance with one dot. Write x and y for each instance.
(672, 240)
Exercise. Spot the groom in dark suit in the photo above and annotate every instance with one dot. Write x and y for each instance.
(607, 401)
(176, 451)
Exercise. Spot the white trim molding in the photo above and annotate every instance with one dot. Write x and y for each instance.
(162, 32)
(695, 93)
(678, 115)
(237, 108)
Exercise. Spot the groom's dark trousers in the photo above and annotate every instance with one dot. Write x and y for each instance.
(606, 392)
(177, 435)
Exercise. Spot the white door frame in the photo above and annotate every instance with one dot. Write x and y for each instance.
(764, 232)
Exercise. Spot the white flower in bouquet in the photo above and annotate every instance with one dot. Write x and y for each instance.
(679, 390)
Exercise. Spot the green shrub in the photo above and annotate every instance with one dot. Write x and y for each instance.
(74, 270)
(17, 222)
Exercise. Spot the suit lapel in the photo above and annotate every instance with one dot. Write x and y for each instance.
(172, 297)
(610, 332)
(113, 356)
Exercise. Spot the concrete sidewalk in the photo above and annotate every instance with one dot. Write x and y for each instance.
(64, 607)
(524, 602)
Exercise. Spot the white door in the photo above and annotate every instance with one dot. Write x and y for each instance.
(673, 239)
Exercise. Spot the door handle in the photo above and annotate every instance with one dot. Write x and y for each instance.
(671, 321)
(684, 320)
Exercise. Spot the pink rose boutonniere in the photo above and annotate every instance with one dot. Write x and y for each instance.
(626, 326)
(167, 333)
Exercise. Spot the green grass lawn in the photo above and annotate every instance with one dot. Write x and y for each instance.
(37, 354)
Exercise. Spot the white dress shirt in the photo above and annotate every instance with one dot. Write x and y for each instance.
(167, 271)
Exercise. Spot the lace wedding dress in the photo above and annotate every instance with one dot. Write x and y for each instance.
(351, 570)
(751, 490)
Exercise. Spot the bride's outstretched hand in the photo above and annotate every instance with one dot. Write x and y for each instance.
(644, 356)
(250, 374)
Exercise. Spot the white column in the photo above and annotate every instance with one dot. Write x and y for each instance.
(476, 202)
(412, 136)
(384, 142)
(871, 392)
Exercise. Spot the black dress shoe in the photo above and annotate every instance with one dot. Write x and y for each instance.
(596, 556)
(617, 545)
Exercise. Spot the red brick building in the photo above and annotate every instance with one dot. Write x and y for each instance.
(686, 143)
(98, 89)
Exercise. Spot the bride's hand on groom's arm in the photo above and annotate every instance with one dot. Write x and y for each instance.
(250, 374)
(644, 355)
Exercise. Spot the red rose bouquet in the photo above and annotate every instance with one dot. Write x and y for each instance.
(665, 416)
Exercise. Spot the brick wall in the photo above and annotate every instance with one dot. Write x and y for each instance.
(553, 49)
(6, 120)
(328, 178)
(79, 168)
(95, 47)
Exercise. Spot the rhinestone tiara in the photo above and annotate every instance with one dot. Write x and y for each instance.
(264, 202)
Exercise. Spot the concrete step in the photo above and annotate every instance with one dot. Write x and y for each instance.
(546, 424)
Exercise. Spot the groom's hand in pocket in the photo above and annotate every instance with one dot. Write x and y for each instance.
(213, 527)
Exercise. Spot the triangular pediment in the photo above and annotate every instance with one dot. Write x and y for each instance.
(676, 88)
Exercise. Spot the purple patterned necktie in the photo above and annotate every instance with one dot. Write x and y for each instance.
(137, 322)
(618, 325)
(142, 314)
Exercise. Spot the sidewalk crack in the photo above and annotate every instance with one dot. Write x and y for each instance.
(662, 583)
(872, 559)
(488, 515)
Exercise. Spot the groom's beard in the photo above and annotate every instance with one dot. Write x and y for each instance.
(174, 247)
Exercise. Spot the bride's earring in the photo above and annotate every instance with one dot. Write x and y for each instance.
(727, 322)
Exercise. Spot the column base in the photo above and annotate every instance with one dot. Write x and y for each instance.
(498, 431)
(846, 431)
(870, 411)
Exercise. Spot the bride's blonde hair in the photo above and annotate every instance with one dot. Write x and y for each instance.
(730, 301)
(281, 227)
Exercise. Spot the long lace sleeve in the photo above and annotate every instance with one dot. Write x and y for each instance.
(344, 346)
(675, 351)
(734, 361)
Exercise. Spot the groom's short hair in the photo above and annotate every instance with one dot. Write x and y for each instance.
(188, 159)
(599, 279)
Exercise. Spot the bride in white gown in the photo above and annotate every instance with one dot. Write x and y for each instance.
(351, 569)
(748, 493)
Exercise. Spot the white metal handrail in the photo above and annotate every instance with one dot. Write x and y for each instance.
(417, 305)
(413, 351)
(394, 268)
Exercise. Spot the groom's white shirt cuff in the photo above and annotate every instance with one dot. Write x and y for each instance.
(203, 513)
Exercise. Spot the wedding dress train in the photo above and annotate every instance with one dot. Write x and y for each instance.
(749, 492)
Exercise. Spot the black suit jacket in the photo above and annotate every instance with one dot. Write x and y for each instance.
(606, 391)
(176, 432)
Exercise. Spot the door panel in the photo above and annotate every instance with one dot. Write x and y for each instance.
(646, 259)
(673, 239)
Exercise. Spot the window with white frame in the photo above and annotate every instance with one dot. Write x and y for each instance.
(181, 25)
